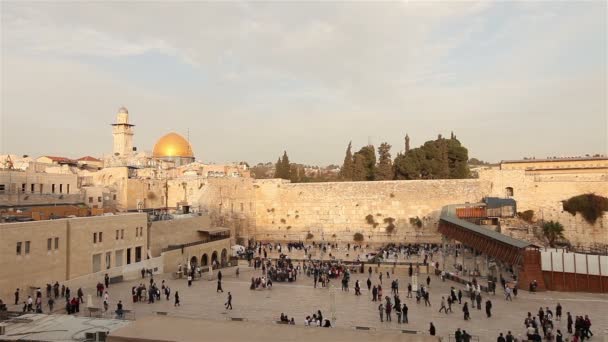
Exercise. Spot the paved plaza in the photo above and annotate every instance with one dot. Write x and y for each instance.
(299, 299)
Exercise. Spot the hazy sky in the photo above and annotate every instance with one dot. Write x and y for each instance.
(249, 80)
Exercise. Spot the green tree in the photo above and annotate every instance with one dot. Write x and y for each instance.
(285, 166)
(368, 154)
(346, 172)
(278, 169)
(359, 171)
(384, 169)
(553, 231)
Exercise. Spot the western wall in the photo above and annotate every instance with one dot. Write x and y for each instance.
(336, 211)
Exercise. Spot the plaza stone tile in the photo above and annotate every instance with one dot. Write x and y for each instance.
(299, 299)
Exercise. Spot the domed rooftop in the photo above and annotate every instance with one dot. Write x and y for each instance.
(123, 109)
(172, 145)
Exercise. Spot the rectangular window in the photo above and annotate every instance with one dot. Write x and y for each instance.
(27, 247)
(116, 234)
(41, 188)
(49, 244)
(52, 188)
(118, 258)
(114, 197)
(19, 248)
(32, 186)
(128, 256)
(96, 263)
(60, 188)
(90, 199)
(98, 198)
(137, 254)
(108, 260)
(23, 185)
(122, 234)
(94, 237)
(2, 188)
(56, 243)
(100, 236)
(68, 188)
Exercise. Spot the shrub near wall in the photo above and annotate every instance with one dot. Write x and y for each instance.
(590, 206)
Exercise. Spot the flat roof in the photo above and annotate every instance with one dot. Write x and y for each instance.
(58, 328)
(166, 328)
(448, 214)
(566, 159)
(214, 230)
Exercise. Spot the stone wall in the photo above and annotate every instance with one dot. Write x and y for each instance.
(336, 211)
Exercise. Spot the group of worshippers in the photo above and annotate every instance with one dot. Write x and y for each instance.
(317, 320)
(152, 293)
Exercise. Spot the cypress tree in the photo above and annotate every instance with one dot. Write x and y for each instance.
(346, 172)
(285, 166)
(278, 172)
(384, 169)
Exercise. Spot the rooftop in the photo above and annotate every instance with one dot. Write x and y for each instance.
(556, 159)
(57, 328)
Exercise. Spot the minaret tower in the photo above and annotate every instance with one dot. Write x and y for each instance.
(122, 131)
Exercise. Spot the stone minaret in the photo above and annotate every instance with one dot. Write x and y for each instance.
(122, 131)
(407, 143)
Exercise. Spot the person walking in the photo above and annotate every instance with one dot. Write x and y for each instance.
(459, 296)
(229, 301)
(558, 312)
(51, 303)
(500, 338)
(17, 297)
(443, 306)
(369, 284)
(489, 309)
(219, 285)
(189, 280)
(381, 311)
(432, 329)
(465, 310)
(409, 290)
(176, 299)
(569, 323)
(428, 281)
(106, 301)
(106, 280)
(374, 294)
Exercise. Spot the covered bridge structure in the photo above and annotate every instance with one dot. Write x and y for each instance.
(521, 255)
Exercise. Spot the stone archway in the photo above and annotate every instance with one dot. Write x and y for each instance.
(205, 260)
(224, 257)
(214, 258)
(193, 262)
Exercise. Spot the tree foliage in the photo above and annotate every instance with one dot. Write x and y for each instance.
(436, 159)
(590, 206)
(365, 163)
(384, 169)
(553, 231)
(346, 172)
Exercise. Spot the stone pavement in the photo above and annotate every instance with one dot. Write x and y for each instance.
(299, 299)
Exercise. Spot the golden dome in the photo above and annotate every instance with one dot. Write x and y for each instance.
(172, 145)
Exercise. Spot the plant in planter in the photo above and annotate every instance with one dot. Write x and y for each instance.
(390, 224)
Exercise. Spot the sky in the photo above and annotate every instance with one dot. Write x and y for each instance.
(247, 80)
